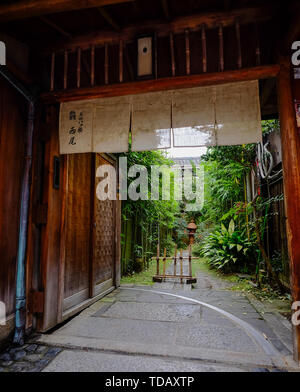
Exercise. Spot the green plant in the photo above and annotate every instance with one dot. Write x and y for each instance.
(229, 249)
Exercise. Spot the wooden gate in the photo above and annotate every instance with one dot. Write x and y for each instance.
(89, 248)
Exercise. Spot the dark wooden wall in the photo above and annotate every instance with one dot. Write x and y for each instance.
(12, 128)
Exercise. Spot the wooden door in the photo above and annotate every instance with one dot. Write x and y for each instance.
(78, 229)
(104, 239)
(90, 233)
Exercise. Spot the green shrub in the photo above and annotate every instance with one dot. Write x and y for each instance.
(230, 250)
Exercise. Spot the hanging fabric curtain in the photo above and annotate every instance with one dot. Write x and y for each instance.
(111, 124)
(227, 114)
(238, 115)
(204, 116)
(151, 121)
(76, 127)
(193, 117)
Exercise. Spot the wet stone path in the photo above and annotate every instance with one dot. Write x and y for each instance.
(165, 327)
(28, 358)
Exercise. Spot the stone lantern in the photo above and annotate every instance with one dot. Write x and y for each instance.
(192, 227)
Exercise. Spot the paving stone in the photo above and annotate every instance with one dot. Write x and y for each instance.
(20, 366)
(33, 357)
(39, 366)
(41, 349)
(52, 352)
(32, 348)
(5, 357)
(19, 355)
(6, 363)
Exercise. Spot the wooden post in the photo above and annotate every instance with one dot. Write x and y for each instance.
(290, 141)
(172, 54)
(78, 67)
(181, 266)
(175, 261)
(66, 70)
(121, 62)
(221, 49)
(190, 260)
(52, 72)
(157, 260)
(164, 263)
(204, 51)
(187, 52)
(93, 66)
(238, 39)
(106, 64)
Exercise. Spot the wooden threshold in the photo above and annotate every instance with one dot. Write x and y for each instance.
(179, 82)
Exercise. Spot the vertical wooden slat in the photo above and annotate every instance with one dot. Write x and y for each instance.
(52, 76)
(175, 261)
(106, 64)
(61, 273)
(157, 260)
(92, 226)
(121, 61)
(181, 265)
(78, 67)
(172, 54)
(93, 66)
(187, 52)
(257, 45)
(204, 50)
(221, 49)
(290, 141)
(66, 70)
(239, 48)
(155, 56)
(164, 263)
(190, 260)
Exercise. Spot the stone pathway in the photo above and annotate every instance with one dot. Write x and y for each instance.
(28, 358)
(158, 328)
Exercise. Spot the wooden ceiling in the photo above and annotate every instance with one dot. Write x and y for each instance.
(44, 22)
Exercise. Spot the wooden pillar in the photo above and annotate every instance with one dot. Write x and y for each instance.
(290, 140)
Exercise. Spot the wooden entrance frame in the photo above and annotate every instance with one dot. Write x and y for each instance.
(289, 136)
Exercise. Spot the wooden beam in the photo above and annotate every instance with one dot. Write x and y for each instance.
(179, 82)
(55, 27)
(178, 25)
(31, 8)
(290, 141)
(293, 33)
(165, 8)
(107, 17)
